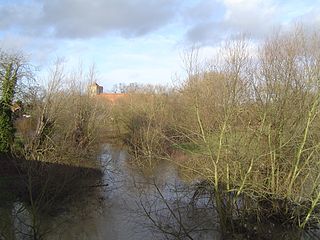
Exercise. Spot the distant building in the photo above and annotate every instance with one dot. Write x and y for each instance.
(95, 90)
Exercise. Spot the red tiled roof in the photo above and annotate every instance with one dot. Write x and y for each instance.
(112, 97)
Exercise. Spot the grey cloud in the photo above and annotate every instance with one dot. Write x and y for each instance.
(13, 15)
(206, 21)
(204, 10)
(207, 33)
(87, 18)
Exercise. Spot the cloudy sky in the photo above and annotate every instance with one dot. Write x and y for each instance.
(139, 40)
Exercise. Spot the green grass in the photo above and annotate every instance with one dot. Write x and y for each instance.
(188, 147)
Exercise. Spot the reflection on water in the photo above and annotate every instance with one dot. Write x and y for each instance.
(135, 204)
(130, 192)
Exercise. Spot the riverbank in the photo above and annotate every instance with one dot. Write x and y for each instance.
(39, 189)
(247, 128)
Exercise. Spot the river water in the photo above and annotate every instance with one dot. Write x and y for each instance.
(137, 204)
(128, 203)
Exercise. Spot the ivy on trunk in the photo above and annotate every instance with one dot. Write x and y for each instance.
(9, 77)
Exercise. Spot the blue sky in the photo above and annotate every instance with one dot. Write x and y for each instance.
(139, 40)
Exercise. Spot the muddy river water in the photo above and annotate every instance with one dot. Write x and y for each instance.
(135, 205)
(130, 203)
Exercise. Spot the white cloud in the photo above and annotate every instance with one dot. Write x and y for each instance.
(256, 17)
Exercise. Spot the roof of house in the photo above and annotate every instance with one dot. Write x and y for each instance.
(112, 97)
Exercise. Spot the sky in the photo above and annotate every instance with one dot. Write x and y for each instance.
(139, 40)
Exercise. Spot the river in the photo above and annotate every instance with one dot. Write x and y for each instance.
(129, 203)
(121, 216)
